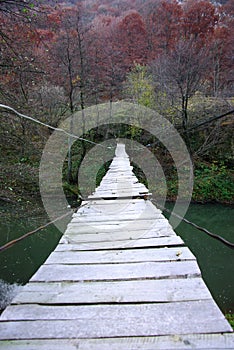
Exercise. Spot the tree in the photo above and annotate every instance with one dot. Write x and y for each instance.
(199, 19)
(139, 86)
(21, 69)
(130, 39)
(17, 7)
(181, 73)
(163, 26)
(221, 49)
(107, 65)
(69, 61)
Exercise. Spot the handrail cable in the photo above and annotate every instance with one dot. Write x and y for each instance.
(9, 244)
(213, 235)
(14, 241)
(10, 109)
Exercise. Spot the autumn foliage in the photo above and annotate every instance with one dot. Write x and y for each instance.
(110, 38)
(59, 57)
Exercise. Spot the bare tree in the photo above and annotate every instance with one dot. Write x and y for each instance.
(181, 73)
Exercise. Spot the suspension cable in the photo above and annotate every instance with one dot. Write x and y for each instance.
(10, 109)
(9, 244)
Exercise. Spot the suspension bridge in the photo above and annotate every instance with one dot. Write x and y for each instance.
(120, 278)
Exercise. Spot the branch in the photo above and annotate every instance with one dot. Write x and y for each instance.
(210, 120)
(12, 110)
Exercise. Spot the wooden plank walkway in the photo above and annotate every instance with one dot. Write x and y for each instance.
(120, 278)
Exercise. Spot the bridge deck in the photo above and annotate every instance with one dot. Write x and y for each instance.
(120, 278)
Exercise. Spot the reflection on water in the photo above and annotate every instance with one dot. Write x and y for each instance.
(20, 262)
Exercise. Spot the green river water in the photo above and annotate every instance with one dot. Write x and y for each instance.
(216, 261)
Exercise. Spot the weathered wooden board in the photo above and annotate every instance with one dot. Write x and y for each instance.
(120, 256)
(115, 203)
(122, 216)
(181, 342)
(134, 224)
(116, 206)
(81, 243)
(121, 185)
(168, 290)
(105, 272)
(112, 283)
(117, 194)
(145, 226)
(109, 236)
(48, 322)
(127, 219)
(104, 213)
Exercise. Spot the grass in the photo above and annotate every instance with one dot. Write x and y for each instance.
(230, 318)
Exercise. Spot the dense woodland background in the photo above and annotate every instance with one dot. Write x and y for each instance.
(176, 57)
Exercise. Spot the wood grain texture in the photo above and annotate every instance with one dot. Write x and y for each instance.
(182, 342)
(81, 243)
(120, 256)
(165, 290)
(126, 271)
(48, 322)
(119, 279)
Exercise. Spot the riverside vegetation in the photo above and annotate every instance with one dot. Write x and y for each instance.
(59, 57)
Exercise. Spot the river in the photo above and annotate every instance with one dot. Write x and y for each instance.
(19, 263)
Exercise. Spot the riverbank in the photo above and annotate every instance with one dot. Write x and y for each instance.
(19, 262)
(213, 183)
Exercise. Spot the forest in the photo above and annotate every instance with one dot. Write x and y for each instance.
(175, 57)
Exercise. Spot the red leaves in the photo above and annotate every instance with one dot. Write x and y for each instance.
(113, 37)
(130, 38)
(200, 19)
(164, 26)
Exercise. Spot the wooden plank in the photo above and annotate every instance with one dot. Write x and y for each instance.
(136, 224)
(120, 256)
(117, 193)
(113, 212)
(105, 272)
(173, 342)
(118, 205)
(101, 217)
(168, 290)
(48, 322)
(115, 226)
(131, 190)
(122, 298)
(109, 236)
(127, 218)
(113, 203)
(122, 186)
(120, 233)
(79, 243)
